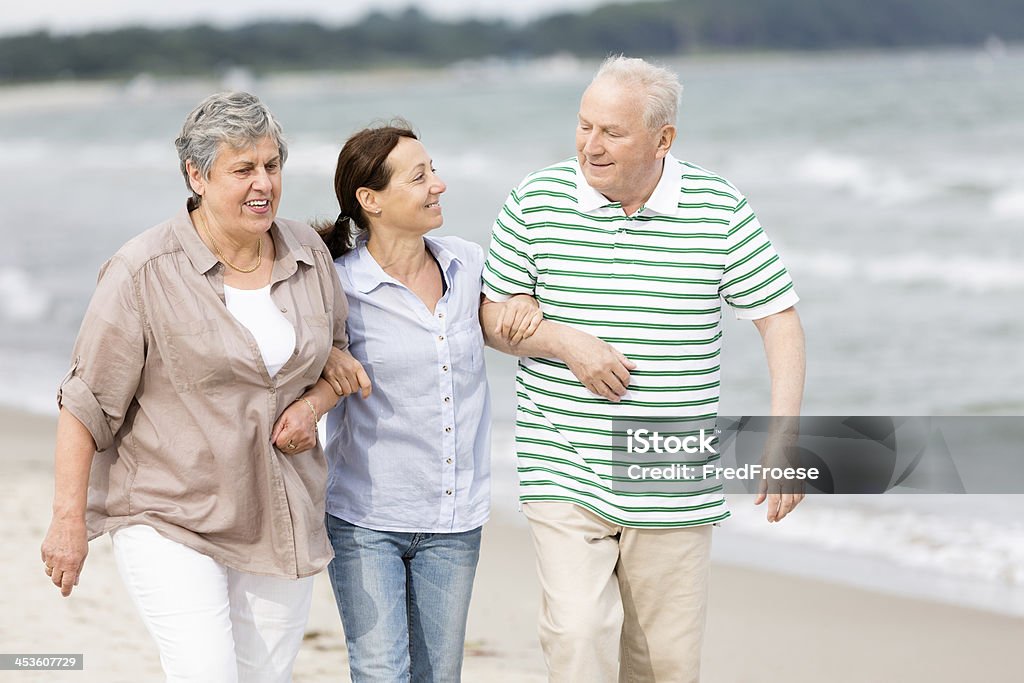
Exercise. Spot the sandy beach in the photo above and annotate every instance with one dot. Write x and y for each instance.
(762, 626)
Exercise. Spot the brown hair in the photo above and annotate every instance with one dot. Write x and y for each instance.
(362, 162)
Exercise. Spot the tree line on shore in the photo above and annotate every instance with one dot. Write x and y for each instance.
(411, 37)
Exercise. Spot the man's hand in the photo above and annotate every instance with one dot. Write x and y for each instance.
(780, 452)
(597, 364)
(345, 374)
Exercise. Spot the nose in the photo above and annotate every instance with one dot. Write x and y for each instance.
(438, 186)
(261, 179)
(592, 144)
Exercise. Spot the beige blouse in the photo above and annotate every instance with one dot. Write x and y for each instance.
(175, 393)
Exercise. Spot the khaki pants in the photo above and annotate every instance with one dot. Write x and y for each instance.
(619, 602)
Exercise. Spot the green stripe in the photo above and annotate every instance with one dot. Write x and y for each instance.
(549, 193)
(644, 278)
(765, 300)
(633, 373)
(634, 325)
(704, 205)
(748, 257)
(513, 249)
(528, 286)
(647, 373)
(632, 386)
(553, 256)
(633, 309)
(628, 292)
(592, 416)
(741, 278)
(540, 498)
(636, 494)
(760, 285)
(547, 179)
(706, 190)
(603, 401)
(626, 508)
(609, 245)
(511, 264)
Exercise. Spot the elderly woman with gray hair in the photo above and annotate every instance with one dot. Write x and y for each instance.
(188, 418)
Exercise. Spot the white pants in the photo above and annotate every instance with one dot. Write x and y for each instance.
(212, 623)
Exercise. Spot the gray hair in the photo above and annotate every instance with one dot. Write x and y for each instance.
(236, 118)
(662, 86)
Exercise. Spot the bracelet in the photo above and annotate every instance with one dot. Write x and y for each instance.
(316, 418)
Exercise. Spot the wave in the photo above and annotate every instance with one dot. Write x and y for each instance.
(21, 300)
(859, 177)
(977, 546)
(1008, 203)
(30, 380)
(966, 273)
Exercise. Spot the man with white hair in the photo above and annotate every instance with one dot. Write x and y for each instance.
(629, 252)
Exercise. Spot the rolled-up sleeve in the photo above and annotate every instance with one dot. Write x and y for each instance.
(108, 356)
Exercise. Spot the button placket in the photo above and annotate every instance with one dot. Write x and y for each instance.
(448, 434)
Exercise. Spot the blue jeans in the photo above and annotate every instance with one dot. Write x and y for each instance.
(403, 599)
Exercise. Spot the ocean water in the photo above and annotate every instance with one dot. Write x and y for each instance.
(891, 184)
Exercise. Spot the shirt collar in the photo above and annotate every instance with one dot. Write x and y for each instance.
(664, 199)
(367, 275)
(289, 252)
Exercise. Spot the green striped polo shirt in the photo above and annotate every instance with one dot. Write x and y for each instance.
(651, 285)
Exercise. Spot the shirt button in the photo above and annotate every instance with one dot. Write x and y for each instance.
(440, 315)
(447, 399)
(440, 337)
(445, 368)
(448, 492)
(447, 429)
(273, 390)
(284, 310)
(449, 461)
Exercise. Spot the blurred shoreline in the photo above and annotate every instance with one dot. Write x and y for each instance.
(82, 91)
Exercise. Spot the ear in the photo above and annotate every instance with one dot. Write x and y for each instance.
(666, 137)
(195, 178)
(368, 200)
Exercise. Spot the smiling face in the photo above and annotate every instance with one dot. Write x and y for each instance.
(243, 191)
(411, 202)
(619, 155)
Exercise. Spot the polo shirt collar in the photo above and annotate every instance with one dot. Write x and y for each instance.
(289, 252)
(366, 274)
(664, 199)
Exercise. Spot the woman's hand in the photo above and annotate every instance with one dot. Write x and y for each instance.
(345, 374)
(295, 431)
(518, 319)
(63, 551)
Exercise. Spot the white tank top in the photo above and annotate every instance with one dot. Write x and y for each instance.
(274, 335)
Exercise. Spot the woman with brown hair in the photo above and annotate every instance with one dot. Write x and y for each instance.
(409, 488)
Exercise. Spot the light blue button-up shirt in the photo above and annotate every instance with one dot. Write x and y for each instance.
(415, 455)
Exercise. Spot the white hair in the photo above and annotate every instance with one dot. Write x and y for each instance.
(236, 118)
(662, 87)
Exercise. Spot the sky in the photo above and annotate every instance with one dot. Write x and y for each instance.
(74, 16)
